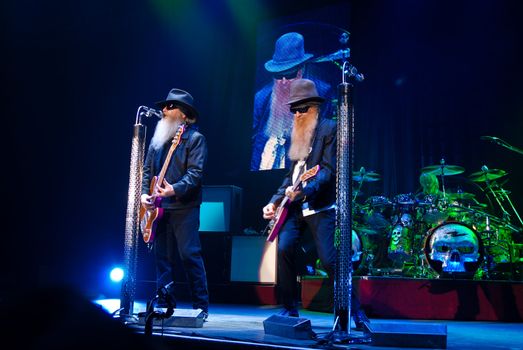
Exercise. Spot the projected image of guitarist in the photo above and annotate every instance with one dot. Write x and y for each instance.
(172, 195)
(306, 198)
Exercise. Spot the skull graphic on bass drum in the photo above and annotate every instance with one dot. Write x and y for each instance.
(454, 248)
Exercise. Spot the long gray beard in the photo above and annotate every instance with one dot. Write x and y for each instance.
(165, 131)
(301, 138)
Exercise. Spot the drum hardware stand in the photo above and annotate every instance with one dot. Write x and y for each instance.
(487, 265)
(500, 195)
(504, 196)
(360, 185)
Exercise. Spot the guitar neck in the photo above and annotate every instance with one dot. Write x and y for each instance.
(165, 165)
(175, 143)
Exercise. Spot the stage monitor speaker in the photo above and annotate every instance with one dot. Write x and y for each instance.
(288, 327)
(191, 318)
(407, 334)
(221, 209)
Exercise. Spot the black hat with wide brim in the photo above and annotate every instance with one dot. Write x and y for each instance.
(181, 98)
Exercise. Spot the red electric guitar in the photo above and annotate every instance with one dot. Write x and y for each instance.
(149, 217)
(274, 226)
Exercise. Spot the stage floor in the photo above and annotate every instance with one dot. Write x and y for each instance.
(232, 326)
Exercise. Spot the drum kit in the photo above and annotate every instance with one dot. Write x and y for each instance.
(447, 234)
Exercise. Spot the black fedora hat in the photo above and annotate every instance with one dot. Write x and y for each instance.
(288, 53)
(303, 90)
(181, 98)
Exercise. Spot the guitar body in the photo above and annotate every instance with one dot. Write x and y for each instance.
(149, 217)
(277, 221)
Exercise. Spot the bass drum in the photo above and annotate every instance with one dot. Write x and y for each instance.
(357, 251)
(454, 249)
(358, 254)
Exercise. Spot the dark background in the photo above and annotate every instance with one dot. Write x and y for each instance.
(439, 74)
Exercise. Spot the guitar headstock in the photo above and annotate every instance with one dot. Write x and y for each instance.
(177, 137)
(310, 173)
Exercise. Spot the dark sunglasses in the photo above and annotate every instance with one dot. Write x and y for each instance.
(303, 109)
(287, 74)
(171, 106)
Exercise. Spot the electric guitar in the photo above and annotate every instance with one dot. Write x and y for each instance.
(149, 217)
(274, 226)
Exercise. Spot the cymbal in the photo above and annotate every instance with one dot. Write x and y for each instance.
(365, 177)
(487, 175)
(443, 169)
(460, 195)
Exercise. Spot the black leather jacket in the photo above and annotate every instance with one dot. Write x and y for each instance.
(185, 170)
(320, 191)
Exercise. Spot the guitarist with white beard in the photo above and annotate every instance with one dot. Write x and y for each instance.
(313, 204)
(179, 196)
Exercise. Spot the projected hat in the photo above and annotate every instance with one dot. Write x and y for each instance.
(288, 53)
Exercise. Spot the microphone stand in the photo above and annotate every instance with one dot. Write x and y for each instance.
(152, 314)
(132, 219)
(340, 333)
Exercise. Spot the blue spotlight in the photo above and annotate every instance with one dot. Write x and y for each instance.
(116, 274)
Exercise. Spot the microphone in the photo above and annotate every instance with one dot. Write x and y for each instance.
(353, 72)
(338, 55)
(484, 168)
(149, 112)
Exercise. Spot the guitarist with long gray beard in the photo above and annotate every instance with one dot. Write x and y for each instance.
(313, 203)
(179, 196)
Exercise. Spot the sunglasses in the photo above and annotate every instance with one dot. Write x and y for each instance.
(287, 74)
(303, 109)
(171, 106)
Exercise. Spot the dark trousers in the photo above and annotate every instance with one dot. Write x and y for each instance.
(321, 226)
(177, 233)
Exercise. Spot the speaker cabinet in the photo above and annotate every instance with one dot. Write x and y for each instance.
(221, 209)
(253, 259)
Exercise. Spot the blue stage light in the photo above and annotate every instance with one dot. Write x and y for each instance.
(116, 274)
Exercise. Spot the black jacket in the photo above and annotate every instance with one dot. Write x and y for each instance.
(320, 191)
(185, 170)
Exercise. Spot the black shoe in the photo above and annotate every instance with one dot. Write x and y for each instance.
(360, 319)
(289, 313)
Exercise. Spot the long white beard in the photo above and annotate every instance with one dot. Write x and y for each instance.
(165, 131)
(301, 138)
